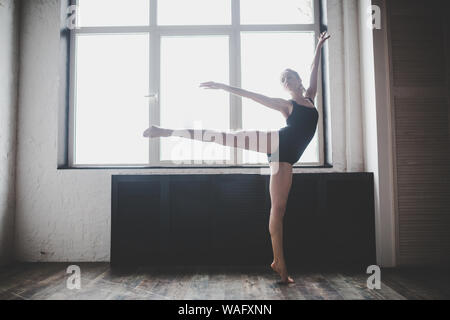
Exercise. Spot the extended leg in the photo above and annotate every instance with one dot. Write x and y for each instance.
(259, 141)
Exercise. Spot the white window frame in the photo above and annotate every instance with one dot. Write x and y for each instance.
(156, 32)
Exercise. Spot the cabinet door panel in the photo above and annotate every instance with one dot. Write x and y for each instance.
(242, 194)
(136, 224)
(350, 222)
(302, 230)
(190, 212)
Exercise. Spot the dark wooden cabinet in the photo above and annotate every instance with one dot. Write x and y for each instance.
(222, 220)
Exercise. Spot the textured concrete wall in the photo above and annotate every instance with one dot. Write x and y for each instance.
(64, 215)
(8, 111)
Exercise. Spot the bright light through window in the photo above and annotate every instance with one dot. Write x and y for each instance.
(111, 111)
(95, 13)
(194, 12)
(185, 63)
(277, 11)
(264, 56)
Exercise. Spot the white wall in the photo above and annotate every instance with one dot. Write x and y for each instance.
(8, 107)
(64, 215)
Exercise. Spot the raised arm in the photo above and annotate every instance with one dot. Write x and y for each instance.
(278, 104)
(312, 90)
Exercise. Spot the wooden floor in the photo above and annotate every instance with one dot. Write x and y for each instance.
(37, 281)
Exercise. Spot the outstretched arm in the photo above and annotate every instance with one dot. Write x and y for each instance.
(312, 90)
(278, 104)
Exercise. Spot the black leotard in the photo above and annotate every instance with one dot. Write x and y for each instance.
(295, 137)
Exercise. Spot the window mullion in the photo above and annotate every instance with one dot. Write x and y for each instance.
(153, 14)
(235, 68)
(72, 99)
(154, 83)
(320, 100)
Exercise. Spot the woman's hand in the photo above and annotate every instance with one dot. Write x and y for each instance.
(212, 85)
(324, 36)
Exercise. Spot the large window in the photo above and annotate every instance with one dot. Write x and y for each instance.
(135, 63)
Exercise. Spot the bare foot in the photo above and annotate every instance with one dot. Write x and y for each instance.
(155, 132)
(282, 271)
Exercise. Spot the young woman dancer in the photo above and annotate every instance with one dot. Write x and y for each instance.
(284, 147)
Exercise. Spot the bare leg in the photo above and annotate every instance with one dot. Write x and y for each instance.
(280, 185)
(259, 141)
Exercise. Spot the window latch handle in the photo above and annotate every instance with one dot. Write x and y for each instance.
(152, 95)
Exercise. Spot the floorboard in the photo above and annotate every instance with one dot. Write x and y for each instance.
(48, 281)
